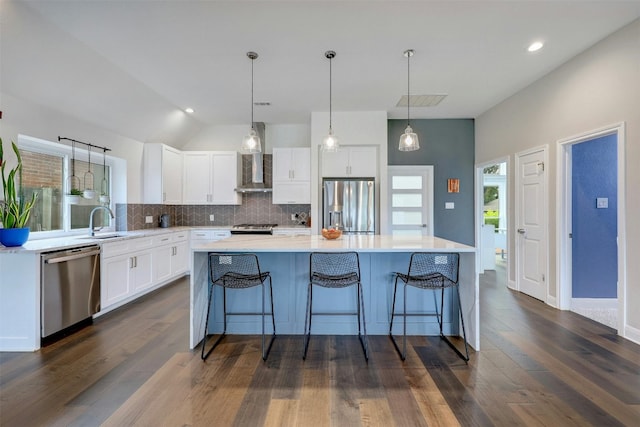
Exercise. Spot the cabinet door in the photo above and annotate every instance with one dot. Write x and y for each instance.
(162, 263)
(335, 164)
(225, 178)
(197, 178)
(180, 258)
(300, 164)
(363, 162)
(141, 273)
(282, 164)
(291, 192)
(171, 175)
(115, 280)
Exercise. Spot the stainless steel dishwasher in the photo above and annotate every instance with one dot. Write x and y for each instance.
(70, 287)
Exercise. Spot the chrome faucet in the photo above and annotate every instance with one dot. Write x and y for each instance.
(91, 231)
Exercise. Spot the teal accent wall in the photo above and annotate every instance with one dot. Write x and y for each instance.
(448, 145)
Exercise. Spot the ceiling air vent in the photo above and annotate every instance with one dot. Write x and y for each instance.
(421, 100)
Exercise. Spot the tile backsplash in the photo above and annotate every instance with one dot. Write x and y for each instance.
(256, 208)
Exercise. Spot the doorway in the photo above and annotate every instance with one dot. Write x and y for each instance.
(591, 235)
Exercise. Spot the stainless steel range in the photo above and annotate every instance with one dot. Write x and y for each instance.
(253, 228)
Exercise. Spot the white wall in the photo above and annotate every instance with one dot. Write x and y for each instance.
(597, 88)
(229, 137)
(22, 117)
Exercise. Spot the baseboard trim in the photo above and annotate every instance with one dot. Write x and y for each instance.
(602, 310)
(632, 334)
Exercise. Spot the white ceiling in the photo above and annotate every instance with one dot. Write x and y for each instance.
(132, 66)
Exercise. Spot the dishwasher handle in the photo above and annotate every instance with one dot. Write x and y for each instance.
(71, 256)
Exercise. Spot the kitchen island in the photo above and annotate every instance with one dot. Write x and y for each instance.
(287, 258)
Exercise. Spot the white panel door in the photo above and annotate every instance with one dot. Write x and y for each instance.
(411, 200)
(531, 220)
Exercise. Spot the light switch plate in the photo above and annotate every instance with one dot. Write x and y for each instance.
(211, 217)
(602, 202)
(148, 219)
(449, 205)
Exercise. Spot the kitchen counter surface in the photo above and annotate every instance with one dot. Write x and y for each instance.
(355, 242)
(79, 240)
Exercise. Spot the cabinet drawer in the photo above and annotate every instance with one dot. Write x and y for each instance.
(125, 246)
(163, 239)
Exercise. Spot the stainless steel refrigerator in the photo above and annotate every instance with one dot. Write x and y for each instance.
(349, 204)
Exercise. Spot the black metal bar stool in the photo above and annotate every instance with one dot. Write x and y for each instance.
(335, 270)
(237, 271)
(434, 271)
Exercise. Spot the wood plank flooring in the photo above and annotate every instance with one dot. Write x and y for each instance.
(538, 366)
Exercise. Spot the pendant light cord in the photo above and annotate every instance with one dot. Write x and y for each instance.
(252, 59)
(330, 94)
(408, 77)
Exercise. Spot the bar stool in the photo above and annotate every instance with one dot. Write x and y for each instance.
(434, 271)
(335, 270)
(237, 271)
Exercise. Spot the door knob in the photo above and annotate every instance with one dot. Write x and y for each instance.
(521, 230)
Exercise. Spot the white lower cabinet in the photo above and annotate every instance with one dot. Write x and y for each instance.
(126, 270)
(132, 267)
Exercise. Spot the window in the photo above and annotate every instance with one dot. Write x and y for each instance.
(47, 171)
(43, 174)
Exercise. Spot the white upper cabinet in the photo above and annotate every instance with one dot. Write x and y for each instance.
(291, 176)
(162, 174)
(291, 164)
(210, 177)
(356, 161)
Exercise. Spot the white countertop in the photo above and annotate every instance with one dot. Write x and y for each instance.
(360, 243)
(79, 240)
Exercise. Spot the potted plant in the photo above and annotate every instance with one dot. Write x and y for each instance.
(74, 196)
(14, 209)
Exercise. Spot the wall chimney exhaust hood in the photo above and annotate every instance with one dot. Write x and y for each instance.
(257, 167)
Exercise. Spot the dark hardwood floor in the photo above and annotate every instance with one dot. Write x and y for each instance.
(538, 366)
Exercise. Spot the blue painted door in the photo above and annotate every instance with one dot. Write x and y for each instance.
(594, 218)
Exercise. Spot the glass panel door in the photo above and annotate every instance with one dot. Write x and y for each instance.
(411, 200)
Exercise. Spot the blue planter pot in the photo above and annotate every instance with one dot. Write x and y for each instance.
(14, 236)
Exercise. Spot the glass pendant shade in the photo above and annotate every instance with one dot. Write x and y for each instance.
(409, 140)
(330, 142)
(251, 143)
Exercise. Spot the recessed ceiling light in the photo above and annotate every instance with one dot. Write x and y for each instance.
(189, 110)
(535, 46)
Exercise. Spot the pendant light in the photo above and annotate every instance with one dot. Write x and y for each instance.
(409, 139)
(251, 142)
(330, 142)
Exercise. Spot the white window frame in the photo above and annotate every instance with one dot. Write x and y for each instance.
(56, 149)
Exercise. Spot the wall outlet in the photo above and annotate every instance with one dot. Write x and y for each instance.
(602, 202)
(449, 205)
(148, 219)
(294, 217)
(211, 217)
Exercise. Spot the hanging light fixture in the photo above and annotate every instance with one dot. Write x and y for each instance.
(409, 139)
(251, 142)
(330, 142)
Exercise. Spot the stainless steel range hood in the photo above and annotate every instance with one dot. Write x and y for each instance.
(257, 167)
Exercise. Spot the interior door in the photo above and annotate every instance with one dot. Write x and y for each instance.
(411, 200)
(531, 221)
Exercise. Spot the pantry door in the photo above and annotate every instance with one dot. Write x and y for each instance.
(410, 200)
